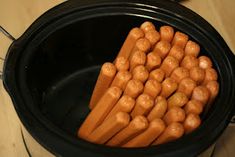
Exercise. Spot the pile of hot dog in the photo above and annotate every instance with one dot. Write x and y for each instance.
(154, 91)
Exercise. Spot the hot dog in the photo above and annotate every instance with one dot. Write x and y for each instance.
(138, 58)
(129, 43)
(109, 128)
(174, 114)
(179, 74)
(180, 39)
(147, 26)
(135, 127)
(168, 87)
(152, 88)
(142, 44)
(134, 88)
(121, 79)
(162, 48)
(171, 133)
(169, 64)
(178, 99)
(186, 86)
(191, 122)
(144, 104)
(189, 62)
(201, 93)
(213, 87)
(140, 73)
(122, 64)
(177, 52)
(153, 36)
(205, 62)
(100, 111)
(159, 109)
(124, 104)
(192, 49)
(193, 106)
(157, 74)
(166, 33)
(156, 127)
(153, 61)
(105, 78)
(210, 75)
(197, 74)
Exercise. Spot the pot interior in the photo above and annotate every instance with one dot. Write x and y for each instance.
(63, 70)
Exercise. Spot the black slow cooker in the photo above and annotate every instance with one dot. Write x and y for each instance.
(51, 69)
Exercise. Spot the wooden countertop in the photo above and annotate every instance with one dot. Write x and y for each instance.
(17, 15)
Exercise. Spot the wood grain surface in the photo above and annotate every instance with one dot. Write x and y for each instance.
(17, 15)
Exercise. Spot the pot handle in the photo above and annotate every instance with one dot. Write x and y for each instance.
(9, 36)
(1, 60)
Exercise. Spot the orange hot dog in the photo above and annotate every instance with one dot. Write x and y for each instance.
(213, 87)
(153, 36)
(99, 112)
(189, 62)
(105, 78)
(109, 128)
(178, 99)
(179, 74)
(186, 86)
(166, 33)
(192, 49)
(152, 88)
(134, 88)
(168, 87)
(122, 64)
(205, 62)
(162, 48)
(201, 93)
(210, 75)
(156, 127)
(171, 133)
(138, 58)
(144, 103)
(191, 122)
(157, 74)
(135, 127)
(124, 104)
(140, 73)
(174, 114)
(143, 45)
(169, 64)
(129, 43)
(153, 61)
(193, 106)
(197, 74)
(121, 79)
(147, 26)
(159, 109)
(180, 39)
(177, 52)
